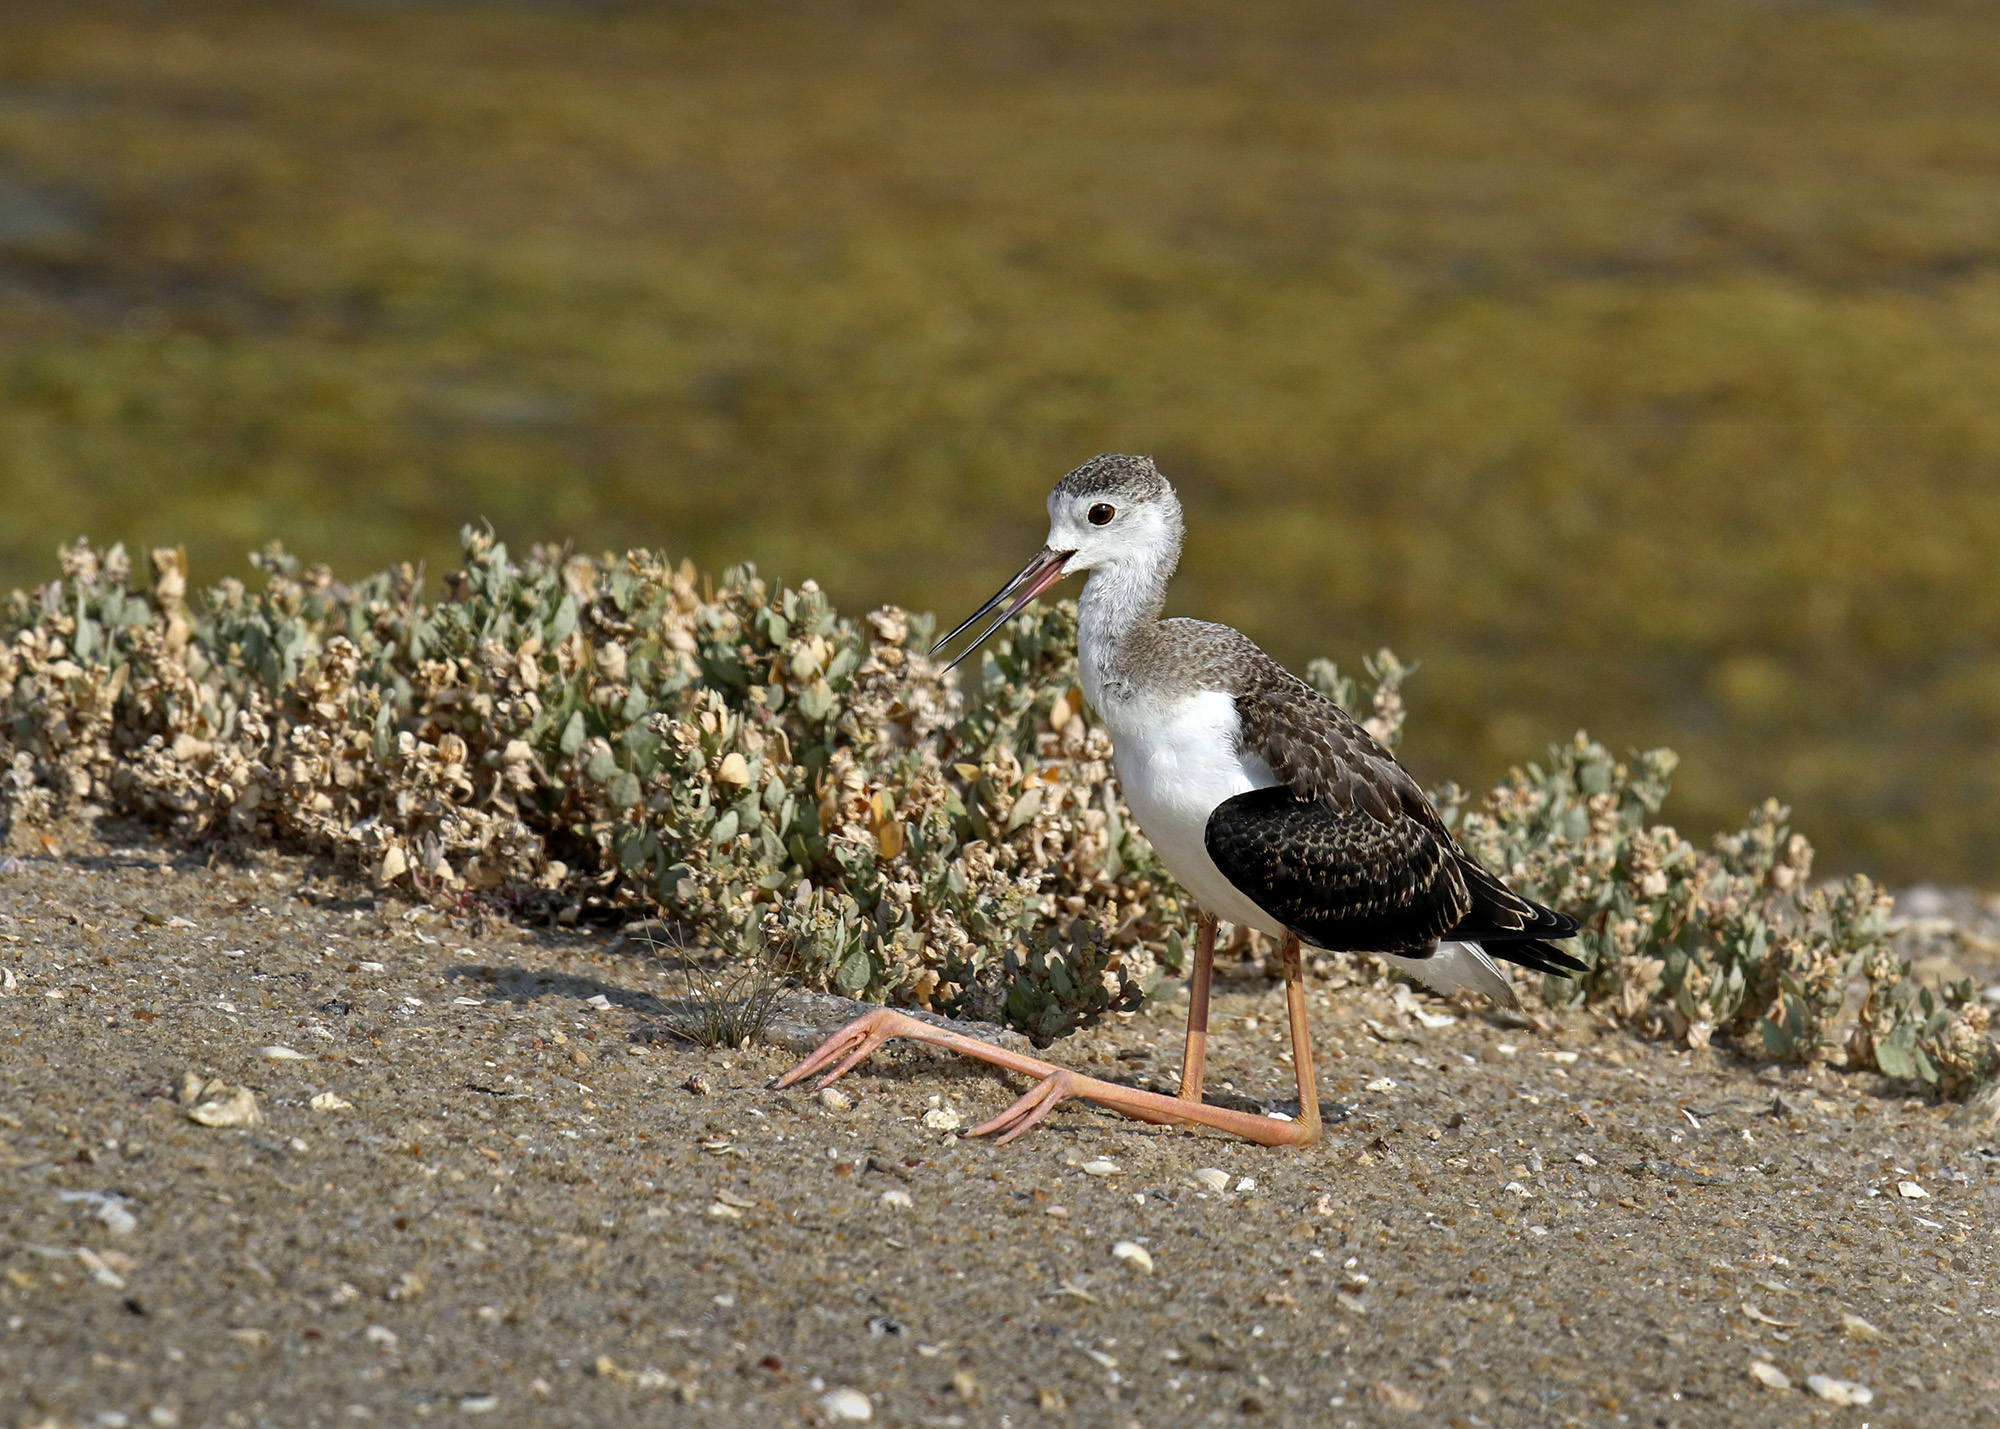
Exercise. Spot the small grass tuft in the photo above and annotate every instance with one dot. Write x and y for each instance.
(726, 1006)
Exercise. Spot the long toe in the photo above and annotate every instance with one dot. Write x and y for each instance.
(864, 1033)
(1029, 1108)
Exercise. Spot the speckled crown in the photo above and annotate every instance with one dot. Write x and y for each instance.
(1114, 474)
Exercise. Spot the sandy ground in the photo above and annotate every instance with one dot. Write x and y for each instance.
(484, 1188)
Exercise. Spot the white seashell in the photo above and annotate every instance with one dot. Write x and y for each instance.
(848, 1404)
(1769, 1375)
(1839, 1391)
(1134, 1255)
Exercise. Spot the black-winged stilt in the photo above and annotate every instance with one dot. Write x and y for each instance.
(1273, 807)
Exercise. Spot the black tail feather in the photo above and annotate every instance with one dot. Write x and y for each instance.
(1500, 915)
(1543, 957)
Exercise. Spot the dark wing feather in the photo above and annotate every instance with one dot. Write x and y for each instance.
(1343, 882)
(1348, 851)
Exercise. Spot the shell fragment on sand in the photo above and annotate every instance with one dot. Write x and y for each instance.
(1134, 1255)
(223, 1107)
(849, 1405)
(1839, 1391)
(1769, 1375)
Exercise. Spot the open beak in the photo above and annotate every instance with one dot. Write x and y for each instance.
(1035, 577)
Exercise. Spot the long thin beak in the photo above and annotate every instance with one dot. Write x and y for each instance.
(1035, 577)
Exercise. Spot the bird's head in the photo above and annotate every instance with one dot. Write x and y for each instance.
(1113, 510)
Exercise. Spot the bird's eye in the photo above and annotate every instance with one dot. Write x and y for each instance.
(1101, 514)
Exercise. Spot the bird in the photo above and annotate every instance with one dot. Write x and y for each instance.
(1270, 805)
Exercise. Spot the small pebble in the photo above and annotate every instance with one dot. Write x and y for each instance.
(699, 1084)
(600, 1002)
(1246, 1184)
(1769, 1375)
(1134, 1255)
(281, 1054)
(898, 1198)
(331, 1101)
(478, 1404)
(848, 1404)
(1911, 1191)
(1839, 1391)
(380, 1335)
(1382, 1084)
(1211, 1179)
(1100, 1167)
(1858, 1327)
(834, 1099)
(719, 1211)
(1061, 1213)
(943, 1118)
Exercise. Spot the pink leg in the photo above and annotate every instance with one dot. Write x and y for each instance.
(862, 1036)
(869, 1031)
(1185, 1109)
(1195, 1059)
(845, 1049)
(1302, 1047)
(1144, 1106)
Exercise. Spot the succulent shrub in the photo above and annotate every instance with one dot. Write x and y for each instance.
(581, 737)
(1733, 941)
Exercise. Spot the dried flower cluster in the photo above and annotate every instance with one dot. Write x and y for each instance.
(582, 737)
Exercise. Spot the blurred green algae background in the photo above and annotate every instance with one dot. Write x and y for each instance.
(1632, 366)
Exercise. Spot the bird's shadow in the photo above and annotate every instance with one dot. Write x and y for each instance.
(522, 986)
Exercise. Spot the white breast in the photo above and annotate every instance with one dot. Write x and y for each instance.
(1175, 763)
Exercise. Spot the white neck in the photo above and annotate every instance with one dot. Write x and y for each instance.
(1120, 599)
